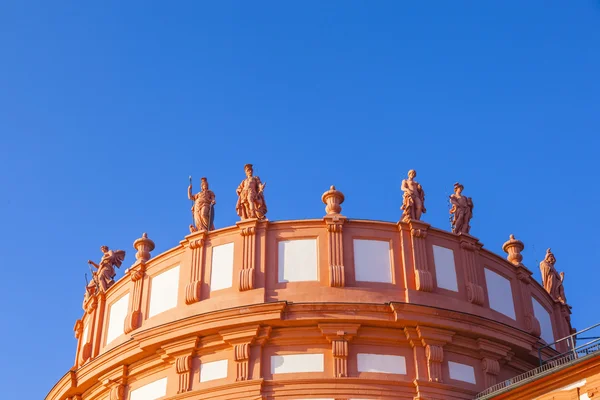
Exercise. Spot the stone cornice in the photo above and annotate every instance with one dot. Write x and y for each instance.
(141, 352)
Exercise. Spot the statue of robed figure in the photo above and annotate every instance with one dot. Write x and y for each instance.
(413, 200)
(251, 200)
(462, 210)
(552, 280)
(203, 207)
(103, 278)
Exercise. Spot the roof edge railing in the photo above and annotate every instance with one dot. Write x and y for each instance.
(553, 363)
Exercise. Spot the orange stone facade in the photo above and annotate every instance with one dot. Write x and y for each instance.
(287, 310)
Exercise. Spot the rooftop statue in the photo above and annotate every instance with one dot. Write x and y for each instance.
(251, 199)
(552, 280)
(413, 201)
(104, 277)
(203, 207)
(462, 210)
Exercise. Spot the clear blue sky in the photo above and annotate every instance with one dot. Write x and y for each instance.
(107, 107)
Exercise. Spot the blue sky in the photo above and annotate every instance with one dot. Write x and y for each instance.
(107, 107)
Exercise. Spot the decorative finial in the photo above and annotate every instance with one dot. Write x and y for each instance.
(143, 246)
(333, 199)
(514, 248)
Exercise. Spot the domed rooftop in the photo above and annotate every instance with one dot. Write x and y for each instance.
(332, 308)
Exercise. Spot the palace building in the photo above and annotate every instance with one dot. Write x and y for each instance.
(326, 309)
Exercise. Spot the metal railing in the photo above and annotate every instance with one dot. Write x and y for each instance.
(571, 343)
(574, 354)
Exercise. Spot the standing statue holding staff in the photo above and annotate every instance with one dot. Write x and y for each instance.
(203, 207)
(552, 280)
(462, 210)
(251, 200)
(413, 201)
(104, 277)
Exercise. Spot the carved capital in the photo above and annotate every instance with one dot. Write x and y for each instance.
(337, 276)
(524, 275)
(592, 392)
(491, 369)
(91, 303)
(532, 324)
(469, 246)
(183, 367)
(435, 357)
(192, 292)
(423, 280)
(475, 294)
(117, 392)
(138, 272)
(490, 366)
(246, 279)
(434, 353)
(248, 231)
(197, 243)
(241, 351)
(336, 228)
(132, 321)
(78, 328)
(419, 233)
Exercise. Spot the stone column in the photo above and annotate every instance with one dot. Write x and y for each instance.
(136, 274)
(513, 248)
(339, 335)
(335, 223)
(248, 231)
(193, 288)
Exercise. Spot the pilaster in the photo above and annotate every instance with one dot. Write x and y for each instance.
(136, 276)
(78, 330)
(115, 382)
(180, 354)
(98, 323)
(492, 356)
(241, 339)
(193, 288)
(470, 246)
(248, 232)
(418, 234)
(434, 340)
(337, 274)
(335, 223)
(339, 335)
